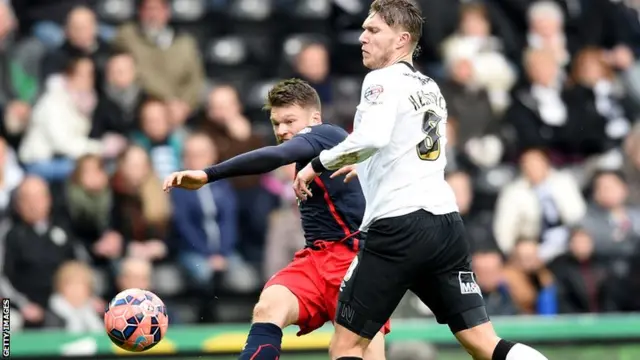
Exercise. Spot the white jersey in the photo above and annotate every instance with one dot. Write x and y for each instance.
(399, 142)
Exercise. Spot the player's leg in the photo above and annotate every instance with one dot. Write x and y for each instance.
(376, 350)
(339, 262)
(290, 297)
(277, 308)
(455, 298)
(369, 296)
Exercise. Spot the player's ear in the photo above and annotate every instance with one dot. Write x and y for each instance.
(403, 39)
(316, 117)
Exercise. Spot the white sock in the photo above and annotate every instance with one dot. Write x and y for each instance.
(523, 352)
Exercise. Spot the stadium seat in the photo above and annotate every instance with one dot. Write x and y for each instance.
(167, 280)
(115, 11)
(227, 51)
(188, 10)
(254, 10)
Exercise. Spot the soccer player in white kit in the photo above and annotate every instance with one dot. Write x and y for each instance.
(414, 233)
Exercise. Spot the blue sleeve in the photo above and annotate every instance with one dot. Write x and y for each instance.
(228, 220)
(263, 160)
(184, 224)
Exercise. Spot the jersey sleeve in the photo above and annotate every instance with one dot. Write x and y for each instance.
(263, 160)
(378, 109)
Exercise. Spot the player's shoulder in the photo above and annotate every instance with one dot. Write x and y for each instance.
(323, 130)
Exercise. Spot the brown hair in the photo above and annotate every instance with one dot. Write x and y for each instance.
(403, 13)
(80, 163)
(292, 92)
(156, 207)
(473, 8)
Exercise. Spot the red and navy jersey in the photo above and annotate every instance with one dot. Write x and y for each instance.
(335, 210)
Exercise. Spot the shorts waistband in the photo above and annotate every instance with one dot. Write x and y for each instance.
(353, 241)
(431, 219)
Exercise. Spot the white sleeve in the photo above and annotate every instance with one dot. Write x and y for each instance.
(378, 109)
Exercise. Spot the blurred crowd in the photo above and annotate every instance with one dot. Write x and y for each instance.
(100, 99)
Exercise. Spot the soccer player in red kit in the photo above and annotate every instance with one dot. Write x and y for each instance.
(305, 292)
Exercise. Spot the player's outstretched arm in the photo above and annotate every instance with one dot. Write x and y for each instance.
(258, 161)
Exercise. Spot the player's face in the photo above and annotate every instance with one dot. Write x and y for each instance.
(287, 121)
(378, 42)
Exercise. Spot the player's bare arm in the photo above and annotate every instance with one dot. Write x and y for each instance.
(258, 161)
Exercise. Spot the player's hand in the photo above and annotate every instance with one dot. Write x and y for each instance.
(301, 182)
(218, 262)
(350, 170)
(109, 245)
(188, 179)
(32, 313)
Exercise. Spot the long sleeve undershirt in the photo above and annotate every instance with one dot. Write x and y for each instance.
(263, 160)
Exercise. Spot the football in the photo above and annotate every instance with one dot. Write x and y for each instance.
(136, 320)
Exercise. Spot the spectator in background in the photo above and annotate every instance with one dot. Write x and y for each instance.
(540, 204)
(470, 109)
(157, 137)
(121, 99)
(81, 40)
(546, 31)
(171, 64)
(622, 59)
(489, 270)
(232, 133)
(531, 284)
(631, 166)
(596, 103)
(33, 249)
(59, 129)
(89, 203)
(312, 65)
(45, 19)
(613, 225)
(134, 273)
(10, 176)
(205, 221)
(474, 43)
(538, 113)
(141, 211)
(583, 280)
(71, 307)
(19, 77)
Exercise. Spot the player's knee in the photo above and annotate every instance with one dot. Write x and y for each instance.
(345, 342)
(276, 306)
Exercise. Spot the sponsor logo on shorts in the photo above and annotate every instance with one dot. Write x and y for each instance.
(468, 283)
(347, 313)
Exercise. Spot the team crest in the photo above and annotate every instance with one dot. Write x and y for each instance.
(372, 93)
(304, 131)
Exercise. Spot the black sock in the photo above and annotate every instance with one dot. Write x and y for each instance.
(263, 342)
(502, 349)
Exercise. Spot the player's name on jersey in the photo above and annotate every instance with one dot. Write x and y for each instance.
(420, 99)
